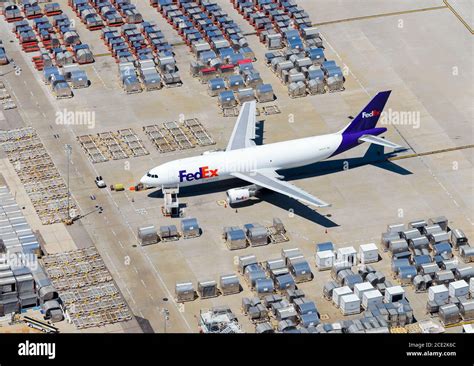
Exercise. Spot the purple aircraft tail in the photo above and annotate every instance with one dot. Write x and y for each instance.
(369, 116)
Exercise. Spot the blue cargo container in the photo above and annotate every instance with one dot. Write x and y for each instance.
(316, 54)
(320, 247)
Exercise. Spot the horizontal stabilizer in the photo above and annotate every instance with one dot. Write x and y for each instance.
(380, 141)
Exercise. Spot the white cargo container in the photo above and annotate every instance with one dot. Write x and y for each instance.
(368, 253)
(395, 228)
(394, 294)
(372, 297)
(458, 289)
(429, 268)
(347, 255)
(360, 288)
(337, 293)
(350, 304)
(471, 286)
(324, 260)
(438, 294)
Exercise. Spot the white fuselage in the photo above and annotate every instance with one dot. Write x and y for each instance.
(219, 165)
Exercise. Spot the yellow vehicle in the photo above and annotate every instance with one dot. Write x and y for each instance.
(117, 187)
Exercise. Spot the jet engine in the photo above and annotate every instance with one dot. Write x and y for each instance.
(242, 194)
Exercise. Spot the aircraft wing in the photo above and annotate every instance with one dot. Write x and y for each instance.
(244, 129)
(268, 178)
(380, 141)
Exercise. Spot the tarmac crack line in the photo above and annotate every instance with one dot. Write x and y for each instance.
(433, 152)
(460, 18)
(374, 16)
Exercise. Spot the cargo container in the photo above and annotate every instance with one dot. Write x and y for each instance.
(466, 252)
(443, 249)
(419, 260)
(235, 238)
(300, 270)
(458, 289)
(254, 272)
(368, 253)
(458, 238)
(360, 288)
(410, 234)
(256, 234)
(444, 277)
(329, 288)
(287, 313)
(398, 246)
(431, 229)
(438, 294)
(207, 289)
(406, 274)
(449, 314)
(324, 260)
(442, 221)
(264, 328)
(61, 88)
(429, 269)
(466, 308)
(347, 255)
(395, 228)
(215, 86)
(226, 99)
(397, 263)
(320, 247)
(420, 242)
(297, 90)
(418, 224)
(264, 286)
(350, 304)
(338, 293)
(184, 291)
(264, 93)
(229, 284)
(464, 273)
(190, 228)
(394, 294)
(284, 282)
(372, 298)
(246, 260)
(147, 235)
(309, 320)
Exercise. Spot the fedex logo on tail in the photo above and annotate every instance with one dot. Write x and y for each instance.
(203, 173)
(374, 113)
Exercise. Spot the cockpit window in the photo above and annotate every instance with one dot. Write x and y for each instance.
(149, 175)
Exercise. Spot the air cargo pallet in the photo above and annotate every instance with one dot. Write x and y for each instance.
(12, 20)
(30, 47)
(34, 16)
(86, 62)
(117, 24)
(53, 13)
(95, 27)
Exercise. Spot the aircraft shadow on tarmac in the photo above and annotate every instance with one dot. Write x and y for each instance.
(374, 156)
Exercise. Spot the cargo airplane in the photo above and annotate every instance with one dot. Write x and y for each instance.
(259, 164)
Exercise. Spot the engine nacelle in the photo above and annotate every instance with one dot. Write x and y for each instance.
(237, 195)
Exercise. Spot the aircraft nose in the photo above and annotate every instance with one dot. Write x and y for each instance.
(144, 180)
